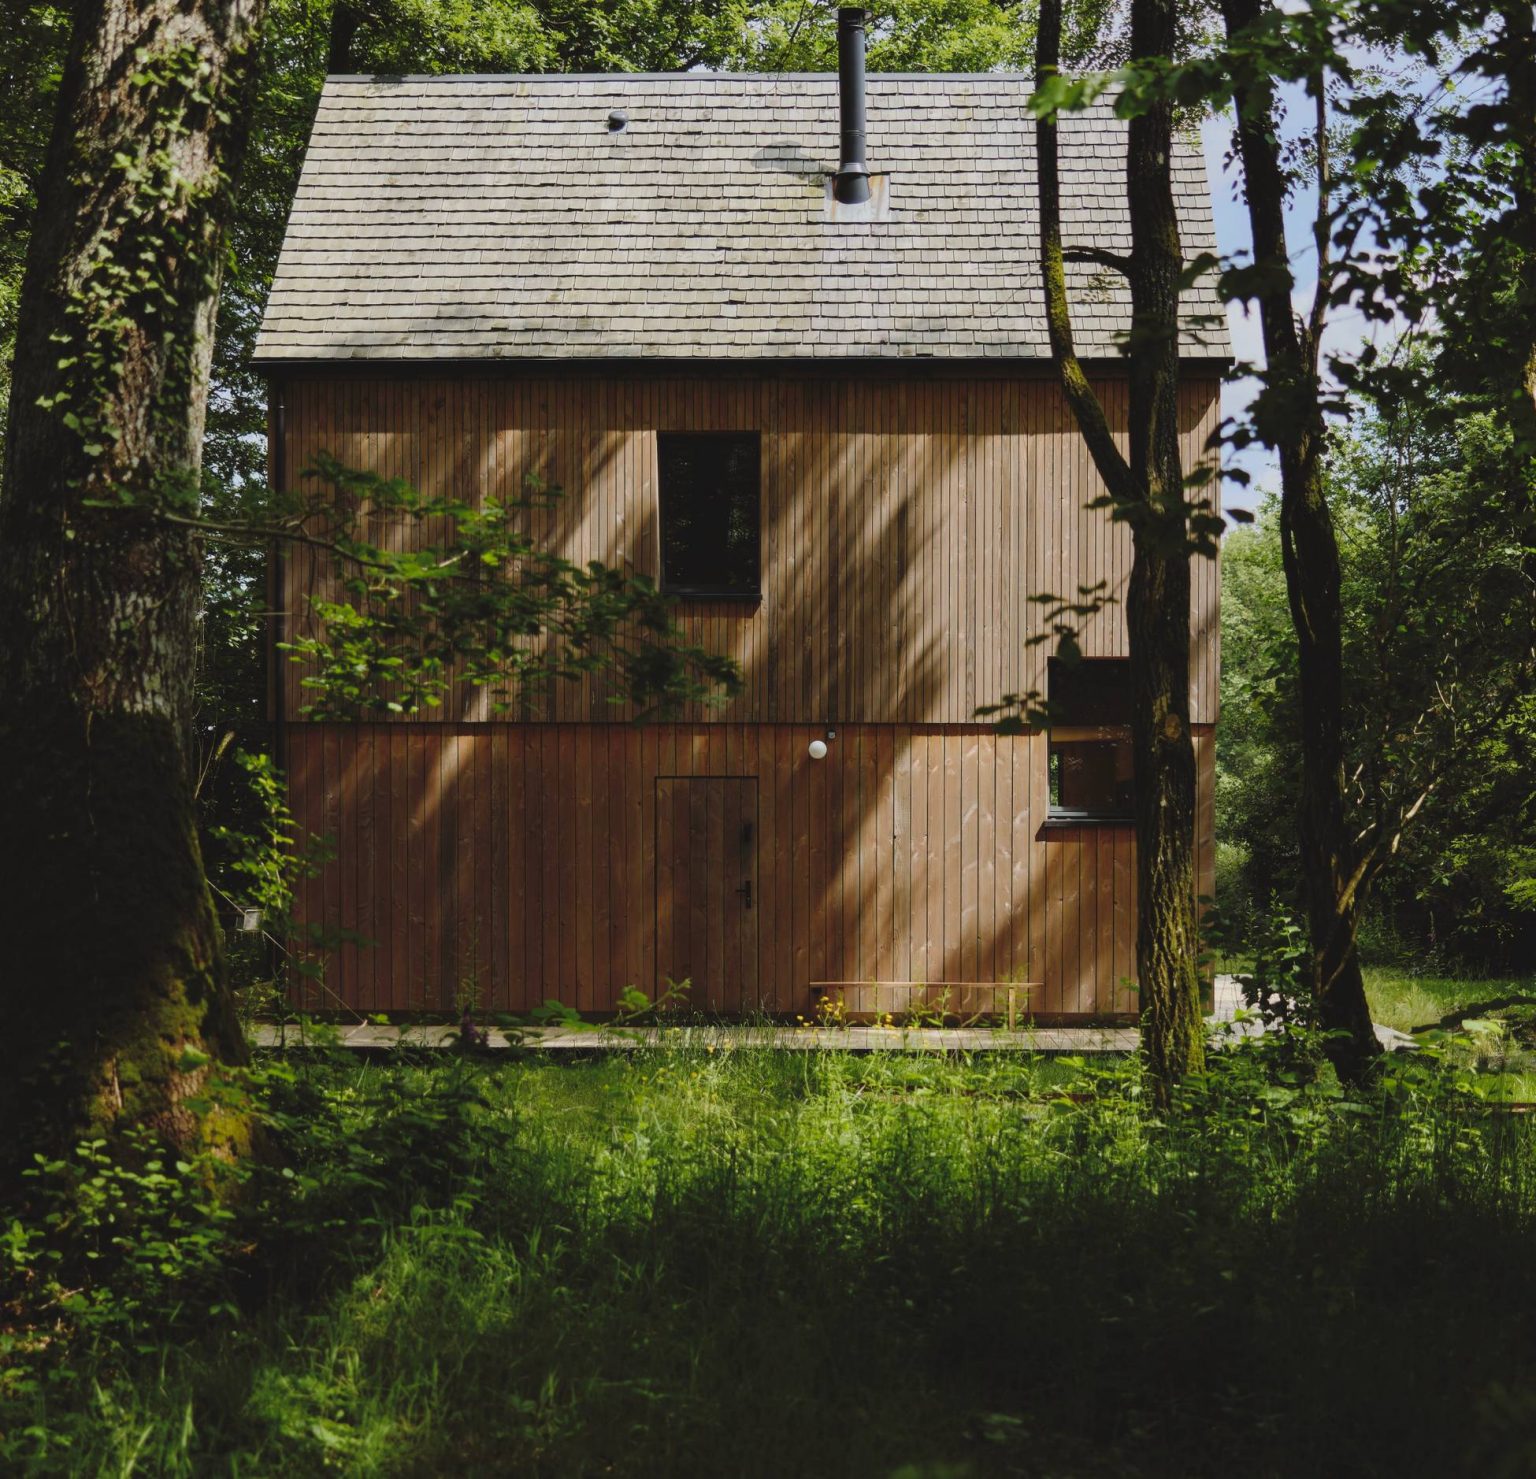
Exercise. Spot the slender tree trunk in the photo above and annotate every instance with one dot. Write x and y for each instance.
(1289, 418)
(1157, 603)
(111, 978)
(1518, 42)
(1148, 490)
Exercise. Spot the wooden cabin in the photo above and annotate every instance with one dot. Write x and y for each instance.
(831, 429)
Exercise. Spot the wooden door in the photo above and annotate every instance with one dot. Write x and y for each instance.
(706, 889)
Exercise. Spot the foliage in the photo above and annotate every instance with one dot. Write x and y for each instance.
(32, 42)
(705, 1260)
(485, 605)
(109, 1239)
(904, 36)
(258, 862)
(1438, 644)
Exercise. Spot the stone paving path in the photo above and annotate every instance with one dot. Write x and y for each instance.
(807, 1039)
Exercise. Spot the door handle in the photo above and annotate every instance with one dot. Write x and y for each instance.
(746, 893)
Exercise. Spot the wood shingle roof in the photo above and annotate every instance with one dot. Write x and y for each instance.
(475, 218)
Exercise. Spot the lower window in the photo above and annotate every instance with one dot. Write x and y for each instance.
(1091, 769)
(1091, 778)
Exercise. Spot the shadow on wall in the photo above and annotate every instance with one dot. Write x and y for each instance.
(903, 525)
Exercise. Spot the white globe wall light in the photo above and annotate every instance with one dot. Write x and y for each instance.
(817, 749)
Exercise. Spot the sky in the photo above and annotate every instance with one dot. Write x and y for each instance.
(1347, 329)
(1233, 238)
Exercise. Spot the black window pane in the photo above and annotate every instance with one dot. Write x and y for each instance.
(1091, 777)
(709, 511)
(1096, 690)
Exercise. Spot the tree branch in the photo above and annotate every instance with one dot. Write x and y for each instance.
(1113, 260)
(1086, 408)
(1321, 225)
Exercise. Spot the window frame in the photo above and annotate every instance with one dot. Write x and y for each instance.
(1060, 817)
(750, 595)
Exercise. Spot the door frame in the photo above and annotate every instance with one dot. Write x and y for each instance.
(656, 852)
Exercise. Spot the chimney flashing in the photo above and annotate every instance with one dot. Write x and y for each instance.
(875, 207)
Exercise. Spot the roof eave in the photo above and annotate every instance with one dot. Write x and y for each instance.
(277, 365)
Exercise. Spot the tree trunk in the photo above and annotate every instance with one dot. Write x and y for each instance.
(1148, 491)
(112, 979)
(1157, 602)
(1289, 417)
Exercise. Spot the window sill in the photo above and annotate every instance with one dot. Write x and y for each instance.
(743, 598)
(1074, 821)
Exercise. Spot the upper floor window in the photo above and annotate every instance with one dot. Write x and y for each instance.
(1091, 774)
(710, 512)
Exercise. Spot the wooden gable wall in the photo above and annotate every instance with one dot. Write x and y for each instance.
(905, 520)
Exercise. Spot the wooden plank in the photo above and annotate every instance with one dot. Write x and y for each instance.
(1023, 965)
(1055, 998)
(917, 854)
(665, 849)
(969, 860)
(750, 813)
(718, 893)
(986, 859)
(1072, 919)
(483, 939)
(954, 860)
(514, 822)
(493, 881)
(592, 886)
(341, 828)
(807, 870)
(1103, 920)
(695, 807)
(397, 991)
(365, 785)
(528, 959)
(620, 847)
(884, 851)
(812, 810)
(461, 983)
(643, 800)
(865, 829)
(775, 911)
(901, 852)
(296, 757)
(555, 869)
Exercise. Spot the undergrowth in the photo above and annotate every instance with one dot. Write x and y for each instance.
(745, 1262)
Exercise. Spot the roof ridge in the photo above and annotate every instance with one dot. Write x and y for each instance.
(698, 76)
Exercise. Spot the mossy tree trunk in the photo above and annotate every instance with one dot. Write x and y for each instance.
(1147, 491)
(111, 978)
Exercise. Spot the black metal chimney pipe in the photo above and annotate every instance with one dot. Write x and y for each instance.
(852, 183)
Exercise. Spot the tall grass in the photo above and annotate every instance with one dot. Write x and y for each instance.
(1408, 999)
(752, 1263)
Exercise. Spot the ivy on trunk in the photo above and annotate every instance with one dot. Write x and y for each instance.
(112, 982)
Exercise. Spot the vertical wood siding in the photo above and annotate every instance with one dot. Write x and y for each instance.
(519, 863)
(904, 522)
